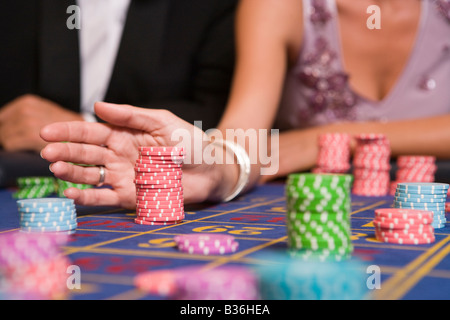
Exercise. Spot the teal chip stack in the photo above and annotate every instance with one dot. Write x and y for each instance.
(318, 215)
(47, 215)
(288, 278)
(427, 196)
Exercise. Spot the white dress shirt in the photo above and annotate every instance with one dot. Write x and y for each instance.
(102, 23)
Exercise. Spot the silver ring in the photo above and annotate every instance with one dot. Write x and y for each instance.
(101, 180)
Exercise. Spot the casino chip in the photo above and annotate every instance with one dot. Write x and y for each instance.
(199, 283)
(159, 190)
(404, 226)
(47, 215)
(334, 153)
(318, 215)
(284, 277)
(41, 187)
(35, 187)
(371, 165)
(426, 196)
(206, 243)
(63, 185)
(414, 169)
(32, 266)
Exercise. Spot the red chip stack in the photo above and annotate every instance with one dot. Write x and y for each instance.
(404, 226)
(414, 169)
(334, 153)
(159, 192)
(371, 165)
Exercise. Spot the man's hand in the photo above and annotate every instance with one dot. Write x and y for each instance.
(23, 118)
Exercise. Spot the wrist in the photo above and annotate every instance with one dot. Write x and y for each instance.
(232, 175)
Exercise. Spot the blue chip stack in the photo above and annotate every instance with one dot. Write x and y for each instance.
(423, 196)
(289, 278)
(47, 215)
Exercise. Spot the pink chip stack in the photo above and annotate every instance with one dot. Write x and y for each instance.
(159, 191)
(200, 283)
(222, 283)
(334, 153)
(33, 266)
(371, 165)
(414, 169)
(206, 244)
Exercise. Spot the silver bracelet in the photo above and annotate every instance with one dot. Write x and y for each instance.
(244, 166)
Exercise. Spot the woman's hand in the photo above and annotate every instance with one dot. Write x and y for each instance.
(115, 146)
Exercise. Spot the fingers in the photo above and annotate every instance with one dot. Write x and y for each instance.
(76, 131)
(75, 152)
(77, 174)
(95, 197)
(147, 120)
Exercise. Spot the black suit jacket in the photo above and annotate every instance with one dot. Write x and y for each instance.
(174, 54)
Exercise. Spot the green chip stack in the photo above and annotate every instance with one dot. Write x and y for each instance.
(318, 215)
(41, 187)
(64, 185)
(34, 187)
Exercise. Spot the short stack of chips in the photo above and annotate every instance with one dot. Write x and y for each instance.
(284, 277)
(427, 196)
(334, 153)
(371, 165)
(159, 192)
(199, 283)
(206, 244)
(414, 169)
(41, 187)
(318, 215)
(404, 226)
(47, 215)
(35, 187)
(63, 185)
(32, 266)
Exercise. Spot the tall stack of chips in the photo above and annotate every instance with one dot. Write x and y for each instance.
(159, 192)
(32, 266)
(334, 153)
(427, 196)
(414, 169)
(199, 283)
(371, 165)
(47, 215)
(404, 226)
(318, 215)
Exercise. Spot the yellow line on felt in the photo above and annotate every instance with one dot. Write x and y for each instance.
(73, 250)
(239, 255)
(399, 291)
(396, 280)
(379, 203)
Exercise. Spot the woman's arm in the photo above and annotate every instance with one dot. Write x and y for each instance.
(426, 136)
(268, 37)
